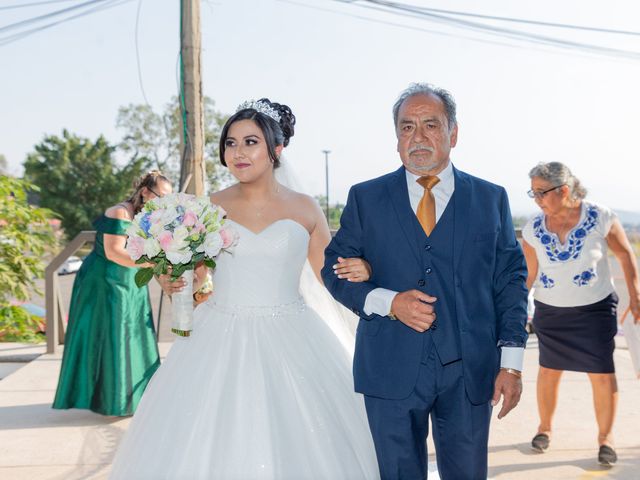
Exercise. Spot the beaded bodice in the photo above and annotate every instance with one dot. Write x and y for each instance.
(263, 269)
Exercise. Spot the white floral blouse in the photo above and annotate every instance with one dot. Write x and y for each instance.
(576, 272)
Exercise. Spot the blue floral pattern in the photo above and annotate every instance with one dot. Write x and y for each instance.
(547, 282)
(585, 278)
(575, 241)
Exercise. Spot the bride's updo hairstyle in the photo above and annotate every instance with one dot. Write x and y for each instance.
(275, 120)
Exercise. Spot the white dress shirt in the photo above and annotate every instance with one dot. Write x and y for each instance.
(379, 300)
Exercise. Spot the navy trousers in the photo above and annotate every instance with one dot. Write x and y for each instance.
(461, 429)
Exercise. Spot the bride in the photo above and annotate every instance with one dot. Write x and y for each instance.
(263, 387)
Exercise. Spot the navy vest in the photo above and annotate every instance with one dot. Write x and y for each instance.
(437, 267)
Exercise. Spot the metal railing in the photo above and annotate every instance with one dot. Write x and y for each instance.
(55, 311)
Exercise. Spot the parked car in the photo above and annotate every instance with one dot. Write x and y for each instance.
(37, 311)
(71, 265)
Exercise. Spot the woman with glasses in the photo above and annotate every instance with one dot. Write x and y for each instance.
(566, 248)
(110, 348)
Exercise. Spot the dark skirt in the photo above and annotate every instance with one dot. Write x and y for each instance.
(580, 339)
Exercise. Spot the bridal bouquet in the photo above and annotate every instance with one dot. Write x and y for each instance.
(175, 232)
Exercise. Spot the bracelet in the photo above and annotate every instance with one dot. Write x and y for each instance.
(512, 371)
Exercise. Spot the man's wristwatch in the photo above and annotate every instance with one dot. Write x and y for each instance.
(391, 315)
(512, 371)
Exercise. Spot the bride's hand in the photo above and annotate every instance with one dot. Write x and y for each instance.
(170, 287)
(352, 269)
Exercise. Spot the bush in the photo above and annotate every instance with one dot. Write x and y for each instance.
(18, 325)
(26, 239)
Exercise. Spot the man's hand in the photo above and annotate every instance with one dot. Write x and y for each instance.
(414, 309)
(510, 387)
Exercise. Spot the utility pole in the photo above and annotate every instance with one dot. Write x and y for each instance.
(192, 166)
(326, 178)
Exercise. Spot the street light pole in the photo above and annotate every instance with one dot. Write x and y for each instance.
(326, 177)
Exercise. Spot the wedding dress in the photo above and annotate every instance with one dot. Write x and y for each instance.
(261, 390)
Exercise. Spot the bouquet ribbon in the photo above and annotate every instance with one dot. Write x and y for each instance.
(182, 307)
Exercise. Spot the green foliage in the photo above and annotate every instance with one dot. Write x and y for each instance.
(156, 137)
(335, 211)
(163, 266)
(25, 238)
(143, 276)
(79, 178)
(4, 166)
(18, 325)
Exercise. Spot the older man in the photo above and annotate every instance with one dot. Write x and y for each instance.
(442, 318)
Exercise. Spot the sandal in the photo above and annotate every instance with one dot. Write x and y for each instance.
(540, 442)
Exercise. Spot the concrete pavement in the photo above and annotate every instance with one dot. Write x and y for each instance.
(39, 443)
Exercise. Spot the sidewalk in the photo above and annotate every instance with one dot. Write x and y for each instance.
(573, 450)
(38, 443)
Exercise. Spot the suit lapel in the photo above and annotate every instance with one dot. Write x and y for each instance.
(399, 194)
(461, 218)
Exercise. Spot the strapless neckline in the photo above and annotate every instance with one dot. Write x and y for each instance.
(272, 224)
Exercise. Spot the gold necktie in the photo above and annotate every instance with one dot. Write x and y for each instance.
(427, 207)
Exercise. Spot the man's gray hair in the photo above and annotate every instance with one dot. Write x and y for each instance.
(557, 174)
(428, 89)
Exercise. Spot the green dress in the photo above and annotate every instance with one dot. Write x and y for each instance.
(110, 351)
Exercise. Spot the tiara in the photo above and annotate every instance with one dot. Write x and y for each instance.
(261, 107)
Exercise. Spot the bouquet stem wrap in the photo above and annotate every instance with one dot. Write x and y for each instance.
(182, 307)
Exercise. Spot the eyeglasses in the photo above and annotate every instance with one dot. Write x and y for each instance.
(154, 192)
(540, 195)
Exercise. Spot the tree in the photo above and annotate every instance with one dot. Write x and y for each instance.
(3, 165)
(79, 178)
(335, 211)
(156, 138)
(25, 238)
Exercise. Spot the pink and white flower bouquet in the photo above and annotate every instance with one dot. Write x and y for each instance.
(175, 233)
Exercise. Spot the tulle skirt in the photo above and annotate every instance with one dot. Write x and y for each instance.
(254, 393)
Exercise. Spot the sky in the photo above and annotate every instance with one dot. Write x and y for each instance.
(340, 67)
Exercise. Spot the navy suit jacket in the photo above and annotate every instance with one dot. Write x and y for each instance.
(489, 288)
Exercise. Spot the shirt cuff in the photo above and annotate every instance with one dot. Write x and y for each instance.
(512, 357)
(379, 301)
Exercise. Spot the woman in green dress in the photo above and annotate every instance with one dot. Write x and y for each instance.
(110, 351)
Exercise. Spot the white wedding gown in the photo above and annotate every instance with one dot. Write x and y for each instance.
(261, 390)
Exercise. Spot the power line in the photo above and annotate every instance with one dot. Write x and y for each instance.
(144, 95)
(505, 19)
(520, 35)
(402, 25)
(102, 5)
(33, 4)
(29, 21)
